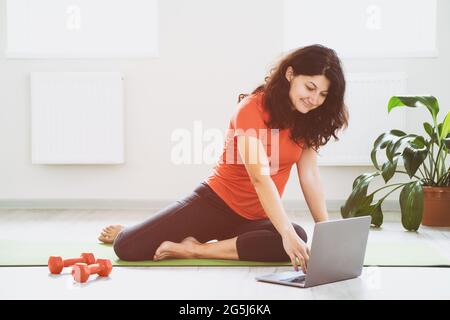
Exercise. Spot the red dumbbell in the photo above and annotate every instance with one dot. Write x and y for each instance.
(56, 264)
(81, 271)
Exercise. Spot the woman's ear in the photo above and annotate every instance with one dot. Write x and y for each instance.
(289, 73)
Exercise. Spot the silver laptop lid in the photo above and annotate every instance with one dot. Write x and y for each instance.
(337, 250)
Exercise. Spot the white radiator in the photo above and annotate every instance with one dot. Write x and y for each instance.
(367, 96)
(77, 118)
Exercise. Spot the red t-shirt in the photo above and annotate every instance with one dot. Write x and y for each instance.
(230, 179)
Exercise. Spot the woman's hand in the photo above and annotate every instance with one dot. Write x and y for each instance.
(296, 249)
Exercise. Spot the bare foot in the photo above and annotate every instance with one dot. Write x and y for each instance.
(183, 250)
(110, 233)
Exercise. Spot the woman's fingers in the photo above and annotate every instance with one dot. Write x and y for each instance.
(304, 252)
(305, 267)
(294, 262)
(299, 261)
(302, 263)
(297, 250)
(303, 259)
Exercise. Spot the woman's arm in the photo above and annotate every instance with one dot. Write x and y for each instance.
(311, 184)
(255, 159)
(271, 202)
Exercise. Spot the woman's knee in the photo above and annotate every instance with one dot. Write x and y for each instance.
(301, 232)
(120, 248)
(130, 248)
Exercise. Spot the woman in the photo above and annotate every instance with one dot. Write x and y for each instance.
(239, 204)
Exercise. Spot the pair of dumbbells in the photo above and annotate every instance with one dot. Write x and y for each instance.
(82, 267)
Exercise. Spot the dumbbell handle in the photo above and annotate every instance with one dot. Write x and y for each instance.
(82, 271)
(71, 262)
(94, 268)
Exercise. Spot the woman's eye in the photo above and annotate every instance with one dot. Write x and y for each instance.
(310, 89)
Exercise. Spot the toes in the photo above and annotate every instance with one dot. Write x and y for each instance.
(104, 240)
(161, 249)
(161, 256)
(158, 257)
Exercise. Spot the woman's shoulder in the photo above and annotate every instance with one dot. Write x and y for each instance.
(252, 103)
(250, 113)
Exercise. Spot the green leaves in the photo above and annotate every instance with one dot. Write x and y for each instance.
(411, 205)
(414, 155)
(393, 148)
(383, 141)
(428, 102)
(374, 211)
(446, 142)
(388, 169)
(446, 127)
(377, 214)
(358, 203)
(428, 129)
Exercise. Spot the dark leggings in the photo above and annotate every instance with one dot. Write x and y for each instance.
(204, 216)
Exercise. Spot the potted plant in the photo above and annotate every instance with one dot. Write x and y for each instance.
(425, 199)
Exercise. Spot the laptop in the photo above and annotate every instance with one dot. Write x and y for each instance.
(337, 253)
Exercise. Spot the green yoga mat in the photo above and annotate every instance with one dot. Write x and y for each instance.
(36, 253)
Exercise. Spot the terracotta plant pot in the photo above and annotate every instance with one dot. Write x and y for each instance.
(436, 206)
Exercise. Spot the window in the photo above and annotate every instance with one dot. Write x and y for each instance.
(363, 28)
(81, 29)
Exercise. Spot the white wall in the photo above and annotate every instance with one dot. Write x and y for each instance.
(210, 51)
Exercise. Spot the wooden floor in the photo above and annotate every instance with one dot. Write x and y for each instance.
(205, 282)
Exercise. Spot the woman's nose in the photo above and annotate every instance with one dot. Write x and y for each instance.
(314, 100)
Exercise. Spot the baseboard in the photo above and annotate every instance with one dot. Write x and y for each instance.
(142, 204)
(335, 205)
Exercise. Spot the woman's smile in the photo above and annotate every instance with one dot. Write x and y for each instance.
(309, 106)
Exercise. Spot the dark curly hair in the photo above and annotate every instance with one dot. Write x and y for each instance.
(316, 127)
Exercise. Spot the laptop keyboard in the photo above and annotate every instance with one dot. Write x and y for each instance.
(298, 279)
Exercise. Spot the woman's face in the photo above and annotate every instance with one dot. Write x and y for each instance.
(307, 92)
